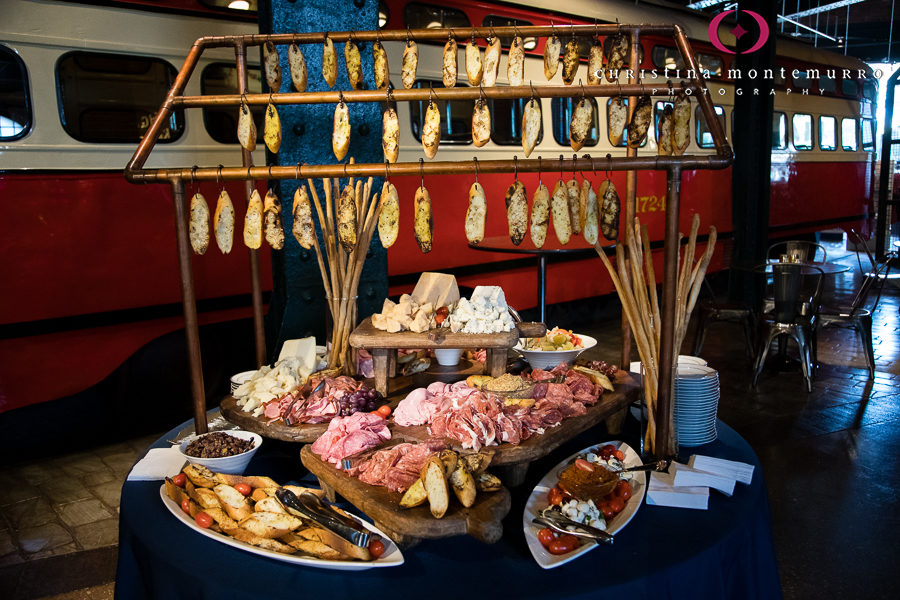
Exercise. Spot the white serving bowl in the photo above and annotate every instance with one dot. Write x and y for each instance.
(226, 464)
(448, 357)
(238, 379)
(547, 359)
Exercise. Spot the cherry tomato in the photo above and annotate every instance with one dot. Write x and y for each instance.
(244, 488)
(384, 410)
(545, 536)
(376, 548)
(617, 505)
(180, 480)
(607, 451)
(623, 490)
(619, 454)
(186, 505)
(563, 544)
(203, 520)
(584, 465)
(606, 508)
(555, 496)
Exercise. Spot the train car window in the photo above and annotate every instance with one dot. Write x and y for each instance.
(868, 135)
(800, 79)
(711, 63)
(657, 113)
(506, 121)
(233, 6)
(870, 90)
(456, 116)
(827, 84)
(384, 14)
(417, 15)
(704, 136)
(561, 110)
(221, 123)
(530, 43)
(849, 87)
(779, 131)
(848, 134)
(827, 133)
(113, 98)
(667, 56)
(15, 103)
(802, 131)
(624, 142)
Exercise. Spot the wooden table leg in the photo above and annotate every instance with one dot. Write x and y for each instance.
(330, 493)
(495, 364)
(392, 363)
(512, 475)
(380, 364)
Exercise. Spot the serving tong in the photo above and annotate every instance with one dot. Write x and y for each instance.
(561, 523)
(312, 508)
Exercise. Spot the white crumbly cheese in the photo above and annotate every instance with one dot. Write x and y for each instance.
(484, 312)
(270, 383)
(584, 512)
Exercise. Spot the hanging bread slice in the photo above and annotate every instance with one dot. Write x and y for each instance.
(481, 124)
(608, 198)
(580, 126)
(346, 218)
(616, 120)
(431, 130)
(389, 219)
(559, 210)
(640, 122)
(423, 223)
(253, 221)
(223, 222)
(517, 212)
(666, 133)
(615, 48)
(297, 65)
(474, 67)
(595, 63)
(274, 231)
(354, 64)
(410, 64)
(540, 216)
(515, 68)
(246, 131)
(382, 71)
(570, 62)
(390, 135)
(491, 62)
(272, 131)
(199, 224)
(531, 125)
(449, 69)
(329, 62)
(591, 218)
(551, 56)
(573, 192)
(304, 229)
(340, 138)
(476, 214)
(681, 130)
(272, 66)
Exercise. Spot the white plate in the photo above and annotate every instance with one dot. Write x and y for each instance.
(392, 556)
(683, 359)
(537, 501)
(547, 359)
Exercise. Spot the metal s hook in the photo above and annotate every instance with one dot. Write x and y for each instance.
(422, 171)
(298, 171)
(430, 94)
(561, 157)
(450, 34)
(540, 181)
(270, 96)
(608, 166)
(475, 160)
(193, 170)
(483, 98)
(531, 83)
(515, 168)
(493, 35)
(409, 37)
(341, 97)
(581, 83)
(574, 160)
(248, 172)
(219, 175)
(387, 171)
(472, 41)
(270, 171)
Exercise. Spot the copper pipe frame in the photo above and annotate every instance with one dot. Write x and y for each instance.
(135, 173)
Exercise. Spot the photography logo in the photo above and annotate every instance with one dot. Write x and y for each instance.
(738, 31)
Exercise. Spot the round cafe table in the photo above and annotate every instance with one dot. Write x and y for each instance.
(723, 552)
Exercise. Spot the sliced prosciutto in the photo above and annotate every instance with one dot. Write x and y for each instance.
(347, 436)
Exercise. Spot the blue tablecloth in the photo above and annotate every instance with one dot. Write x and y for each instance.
(724, 552)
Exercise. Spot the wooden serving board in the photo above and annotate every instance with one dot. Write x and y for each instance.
(515, 458)
(305, 434)
(406, 526)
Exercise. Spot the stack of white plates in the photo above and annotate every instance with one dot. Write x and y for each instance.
(696, 404)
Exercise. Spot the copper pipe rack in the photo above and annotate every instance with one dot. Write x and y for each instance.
(631, 163)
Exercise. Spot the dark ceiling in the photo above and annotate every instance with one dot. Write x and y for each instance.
(862, 27)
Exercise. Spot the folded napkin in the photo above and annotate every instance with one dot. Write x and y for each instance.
(661, 491)
(688, 477)
(158, 464)
(740, 472)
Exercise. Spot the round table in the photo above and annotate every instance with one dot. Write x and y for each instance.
(724, 552)
(502, 243)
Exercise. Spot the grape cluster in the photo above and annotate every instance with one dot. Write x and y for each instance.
(365, 399)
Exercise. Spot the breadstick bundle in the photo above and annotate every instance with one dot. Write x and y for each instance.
(635, 281)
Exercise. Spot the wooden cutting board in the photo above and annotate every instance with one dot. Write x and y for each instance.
(406, 526)
(277, 430)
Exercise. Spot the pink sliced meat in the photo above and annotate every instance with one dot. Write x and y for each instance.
(541, 375)
(351, 435)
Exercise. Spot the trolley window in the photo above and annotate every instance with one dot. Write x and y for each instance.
(561, 110)
(417, 15)
(529, 43)
(657, 114)
(848, 134)
(113, 98)
(800, 78)
(827, 133)
(233, 6)
(779, 131)
(456, 116)
(802, 131)
(624, 142)
(827, 84)
(870, 90)
(221, 123)
(506, 121)
(384, 14)
(15, 103)
(868, 135)
(849, 87)
(668, 56)
(704, 135)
